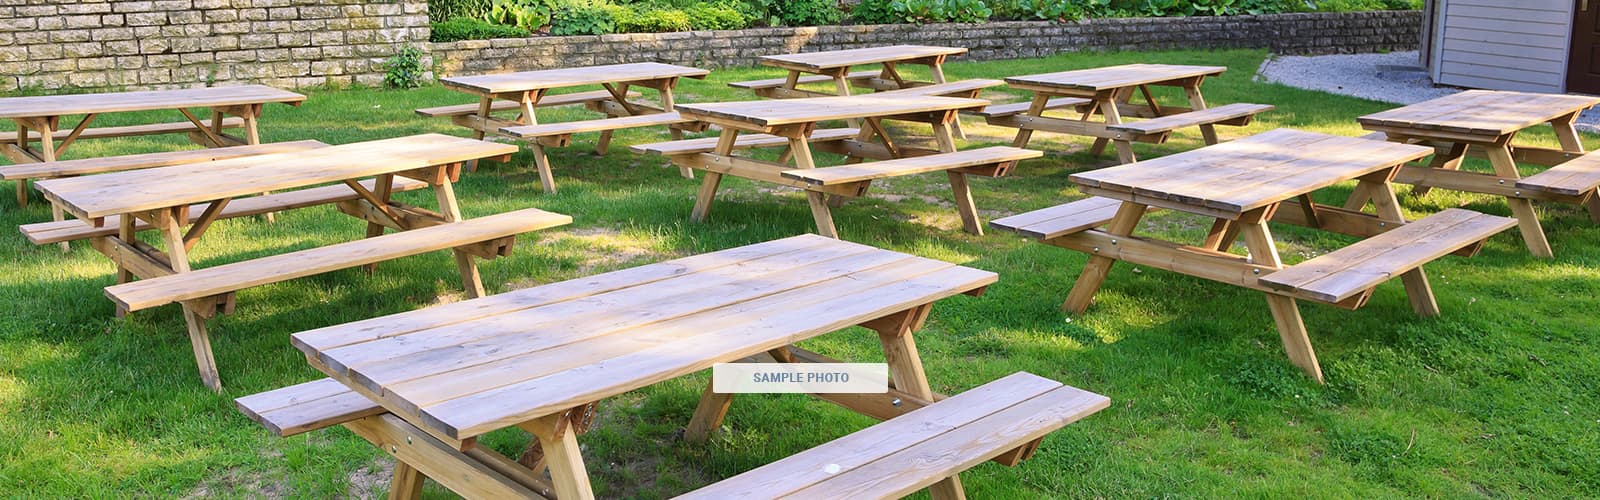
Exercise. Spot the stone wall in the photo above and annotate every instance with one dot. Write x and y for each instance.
(151, 44)
(1282, 33)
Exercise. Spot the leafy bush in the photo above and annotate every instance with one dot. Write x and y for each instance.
(651, 21)
(809, 12)
(584, 17)
(876, 12)
(717, 16)
(451, 9)
(940, 11)
(529, 15)
(466, 28)
(404, 70)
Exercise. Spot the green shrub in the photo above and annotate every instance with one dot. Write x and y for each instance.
(529, 15)
(940, 11)
(465, 28)
(717, 16)
(450, 9)
(404, 70)
(809, 12)
(662, 20)
(874, 12)
(584, 17)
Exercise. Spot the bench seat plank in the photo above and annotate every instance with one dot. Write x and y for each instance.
(306, 407)
(575, 127)
(128, 130)
(1573, 178)
(915, 450)
(847, 174)
(73, 229)
(804, 79)
(225, 278)
(504, 105)
(1207, 116)
(1351, 270)
(961, 88)
(1060, 220)
(1017, 108)
(147, 160)
(745, 141)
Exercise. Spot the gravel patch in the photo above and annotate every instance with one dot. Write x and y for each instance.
(1396, 77)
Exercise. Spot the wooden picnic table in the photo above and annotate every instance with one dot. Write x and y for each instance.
(525, 91)
(38, 119)
(161, 199)
(541, 358)
(834, 66)
(1485, 123)
(1108, 92)
(795, 121)
(1243, 185)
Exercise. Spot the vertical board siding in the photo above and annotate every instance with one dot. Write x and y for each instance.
(1505, 44)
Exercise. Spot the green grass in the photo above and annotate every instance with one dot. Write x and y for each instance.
(1496, 398)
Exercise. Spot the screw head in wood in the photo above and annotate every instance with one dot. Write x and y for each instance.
(895, 402)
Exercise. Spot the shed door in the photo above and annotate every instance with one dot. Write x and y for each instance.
(1583, 65)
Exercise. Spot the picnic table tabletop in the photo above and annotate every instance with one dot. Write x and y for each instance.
(116, 102)
(463, 369)
(1249, 173)
(1482, 112)
(92, 197)
(524, 81)
(1113, 77)
(832, 59)
(769, 113)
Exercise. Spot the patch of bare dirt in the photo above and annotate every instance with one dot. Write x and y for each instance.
(234, 483)
(367, 481)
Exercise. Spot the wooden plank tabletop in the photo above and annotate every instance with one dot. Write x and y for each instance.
(832, 59)
(569, 77)
(1115, 77)
(115, 102)
(472, 367)
(137, 190)
(1481, 112)
(772, 112)
(1252, 172)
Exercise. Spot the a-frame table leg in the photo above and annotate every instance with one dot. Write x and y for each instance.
(709, 184)
(1094, 272)
(895, 334)
(559, 442)
(1505, 167)
(167, 222)
(1285, 312)
(471, 281)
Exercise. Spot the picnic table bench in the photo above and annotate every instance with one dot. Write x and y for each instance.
(112, 208)
(1108, 92)
(424, 385)
(38, 119)
(1243, 185)
(1482, 122)
(792, 124)
(526, 91)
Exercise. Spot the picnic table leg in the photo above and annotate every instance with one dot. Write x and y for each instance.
(937, 69)
(959, 189)
(1285, 312)
(1505, 166)
(406, 484)
(470, 279)
(906, 371)
(1197, 102)
(1388, 207)
(558, 439)
(1113, 114)
(669, 104)
(47, 152)
(1222, 235)
(171, 228)
(485, 105)
(384, 184)
(1449, 160)
(1094, 272)
(1035, 109)
(708, 414)
(708, 185)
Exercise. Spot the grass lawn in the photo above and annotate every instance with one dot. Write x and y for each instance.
(1499, 397)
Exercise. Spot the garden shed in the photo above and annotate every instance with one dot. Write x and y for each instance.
(1527, 45)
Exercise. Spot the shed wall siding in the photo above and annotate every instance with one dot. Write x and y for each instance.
(1505, 44)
